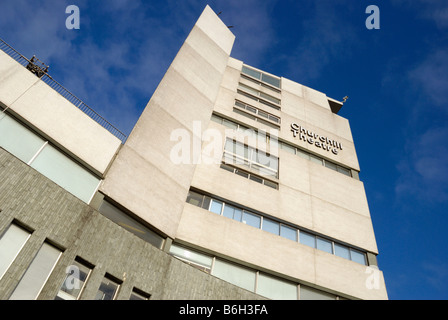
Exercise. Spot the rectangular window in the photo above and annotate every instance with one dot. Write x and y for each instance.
(308, 239)
(108, 288)
(341, 251)
(216, 207)
(232, 212)
(18, 140)
(37, 273)
(196, 259)
(276, 289)
(130, 224)
(358, 256)
(271, 226)
(307, 293)
(242, 277)
(251, 219)
(257, 161)
(66, 173)
(324, 245)
(11, 243)
(74, 282)
(288, 232)
(261, 76)
(138, 294)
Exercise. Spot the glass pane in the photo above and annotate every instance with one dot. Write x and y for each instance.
(308, 239)
(242, 173)
(270, 98)
(345, 171)
(238, 214)
(206, 203)
(303, 154)
(341, 251)
(307, 293)
(107, 290)
(271, 226)
(11, 243)
(358, 256)
(244, 114)
(249, 90)
(271, 184)
(192, 256)
(251, 72)
(274, 118)
(263, 114)
(216, 119)
(265, 159)
(138, 296)
(130, 224)
(288, 148)
(66, 173)
(240, 104)
(276, 289)
(251, 109)
(289, 233)
(330, 165)
(18, 140)
(228, 211)
(271, 80)
(37, 274)
(239, 276)
(255, 178)
(315, 159)
(216, 207)
(195, 198)
(74, 282)
(229, 124)
(324, 245)
(251, 219)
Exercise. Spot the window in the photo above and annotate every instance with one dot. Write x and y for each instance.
(130, 224)
(273, 81)
(232, 212)
(342, 251)
(11, 243)
(358, 256)
(324, 245)
(256, 114)
(221, 207)
(74, 282)
(138, 294)
(316, 159)
(259, 96)
(255, 160)
(308, 239)
(108, 288)
(37, 273)
(198, 199)
(274, 288)
(198, 260)
(18, 140)
(307, 293)
(66, 173)
(253, 280)
(237, 275)
(288, 232)
(271, 226)
(49, 161)
(251, 219)
(216, 207)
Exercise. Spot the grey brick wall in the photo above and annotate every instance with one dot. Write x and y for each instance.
(77, 229)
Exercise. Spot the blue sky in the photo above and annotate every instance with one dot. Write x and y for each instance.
(396, 79)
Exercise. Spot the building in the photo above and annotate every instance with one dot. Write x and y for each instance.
(234, 184)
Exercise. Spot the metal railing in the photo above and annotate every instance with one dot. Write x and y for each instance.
(45, 77)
